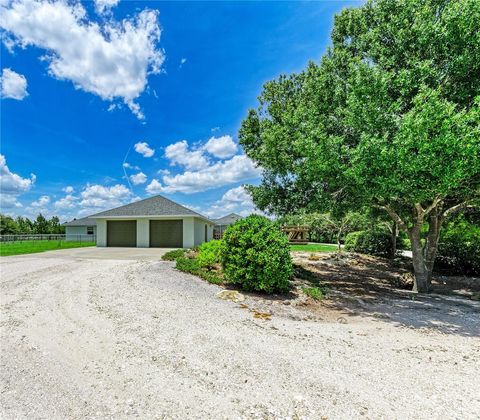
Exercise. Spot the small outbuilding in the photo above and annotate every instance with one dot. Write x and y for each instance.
(81, 230)
(222, 224)
(153, 222)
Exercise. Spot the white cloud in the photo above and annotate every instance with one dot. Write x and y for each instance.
(112, 59)
(236, 200)
(103, 6)
(139, 178)
(14, 85)
(154, 187)
(237, 169)
(12, 185)
(95, 198)
(42, 202)
(67, 202)
(144, 149)
(180, 154)
(221, 147)
(163, 172)
(68, 189)
(126, 165)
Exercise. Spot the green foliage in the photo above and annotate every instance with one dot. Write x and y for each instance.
(314, 248)
(20, 225)
(369, 242)
(192, 266)
(173, 255)
(459, 247)
(314, 292)
(209, 254)
(31, 247)
(256, 255)
(389, 118)
(325, 227)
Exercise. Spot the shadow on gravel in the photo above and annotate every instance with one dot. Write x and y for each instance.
(374, 287)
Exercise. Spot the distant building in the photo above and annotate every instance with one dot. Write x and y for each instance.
(222, 224)
(81, 229)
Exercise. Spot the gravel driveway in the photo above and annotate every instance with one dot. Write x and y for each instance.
(102, 338)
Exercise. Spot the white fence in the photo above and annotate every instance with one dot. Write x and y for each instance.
(46, 237)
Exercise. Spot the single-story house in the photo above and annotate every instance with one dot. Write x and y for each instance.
(81, 229)
(222, 224)
(153, 222)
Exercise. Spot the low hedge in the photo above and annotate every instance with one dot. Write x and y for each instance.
(255, 255)
(369, 242)
(459, 247)
(209, 254)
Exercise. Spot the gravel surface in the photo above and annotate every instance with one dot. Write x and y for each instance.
(120, 339)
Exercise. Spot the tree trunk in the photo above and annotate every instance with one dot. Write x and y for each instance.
(421, 282)
(423, 256)
(394, 233)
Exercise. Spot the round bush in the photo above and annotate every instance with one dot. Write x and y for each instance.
(255, 255)
(369, 242)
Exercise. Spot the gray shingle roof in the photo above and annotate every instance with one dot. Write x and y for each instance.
(85, 221)
(153, 206)
(229, 219)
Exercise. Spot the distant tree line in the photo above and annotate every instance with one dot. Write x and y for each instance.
(23, 225)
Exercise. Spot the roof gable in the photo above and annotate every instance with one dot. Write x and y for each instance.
(84, 221)
(153, 206)
(229, 219)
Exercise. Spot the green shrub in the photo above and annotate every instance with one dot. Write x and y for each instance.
(459, 247)
(369, 242)
(209, 254)
(173, 255)
(192, 266)
(255, 255)
(314, 292)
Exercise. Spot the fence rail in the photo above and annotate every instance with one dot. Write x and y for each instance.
(47, 237)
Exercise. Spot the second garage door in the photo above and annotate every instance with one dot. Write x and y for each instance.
(166, 233)
(122, 233)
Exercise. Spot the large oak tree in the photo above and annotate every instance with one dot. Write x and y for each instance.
(389, 118)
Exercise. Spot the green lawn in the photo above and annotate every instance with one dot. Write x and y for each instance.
(314, 248)
(30, 247)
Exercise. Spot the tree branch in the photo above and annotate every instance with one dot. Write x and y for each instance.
(455, 209)
(394, 215)
(434, 204)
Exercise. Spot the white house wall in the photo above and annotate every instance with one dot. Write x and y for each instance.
(193, 231)
(143, 233)
(199, 225)
(101, 232)
(77, 233)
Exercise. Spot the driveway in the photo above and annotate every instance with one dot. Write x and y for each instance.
(106, 253)
(84, 336)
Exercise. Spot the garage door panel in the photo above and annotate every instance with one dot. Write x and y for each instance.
(122, 233)
(166, 233)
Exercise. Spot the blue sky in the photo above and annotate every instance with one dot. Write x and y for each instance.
(165, 84)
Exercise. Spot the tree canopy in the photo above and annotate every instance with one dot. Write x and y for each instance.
(389, 118)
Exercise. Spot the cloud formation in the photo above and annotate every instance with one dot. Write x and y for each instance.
(103, 6)
(12, 185)
(95, 198)
(144, 149)
(138, 179)
(180, 154)
(236, 200)
(201, 171)
(221, 147)
(42, 202)
(112, 59)
(13, 85)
